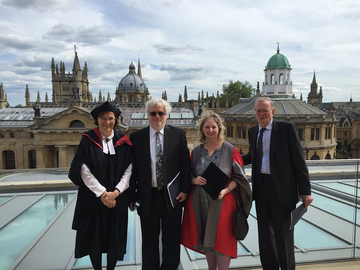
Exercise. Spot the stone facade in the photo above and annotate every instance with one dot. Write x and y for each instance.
(50, 139)
(317, 133)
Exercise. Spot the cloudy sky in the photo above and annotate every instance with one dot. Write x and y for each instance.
(202, 44)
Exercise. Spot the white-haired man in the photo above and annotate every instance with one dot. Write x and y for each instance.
(160, 152)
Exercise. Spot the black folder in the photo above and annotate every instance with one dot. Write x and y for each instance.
(174, 189)
(296, 214)
(216, 180)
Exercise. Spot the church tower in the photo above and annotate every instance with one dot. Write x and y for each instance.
(277, 82)
(63, 83)
(315, 98)
(3, 101)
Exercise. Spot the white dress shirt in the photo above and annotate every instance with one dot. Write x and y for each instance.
(265, 165)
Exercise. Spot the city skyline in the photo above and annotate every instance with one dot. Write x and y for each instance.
(202, 44)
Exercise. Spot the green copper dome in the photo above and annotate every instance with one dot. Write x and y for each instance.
(278, 60)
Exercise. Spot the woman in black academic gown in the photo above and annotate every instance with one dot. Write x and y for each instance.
(102, 168)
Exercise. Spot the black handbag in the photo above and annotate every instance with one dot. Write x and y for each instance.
(241, 226)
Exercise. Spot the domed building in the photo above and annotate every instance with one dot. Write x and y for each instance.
(277, 82)
(316, 129)
(132, 87)
(46, 134)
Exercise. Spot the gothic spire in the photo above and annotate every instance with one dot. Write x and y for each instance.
(139, 69)
(185, 94)
(314, 85)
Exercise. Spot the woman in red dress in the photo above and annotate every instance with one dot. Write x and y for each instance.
(208, 224)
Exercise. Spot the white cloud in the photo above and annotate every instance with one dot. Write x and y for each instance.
(200, 44)
(40, 5)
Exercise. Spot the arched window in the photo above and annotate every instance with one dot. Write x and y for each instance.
(328, 156)
(76, 124)
(8, 159)
(315, 157)
(272, 79)
(32, 159)
(281, 79)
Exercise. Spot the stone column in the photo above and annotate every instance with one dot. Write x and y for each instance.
(1, 159)
(40, 157)
(62, 155)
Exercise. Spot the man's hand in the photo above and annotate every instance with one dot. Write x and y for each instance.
(181, 197)
(131, 206)
(307, 199)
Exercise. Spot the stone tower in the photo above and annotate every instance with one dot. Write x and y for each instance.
(3, 99)
(277, 81)
(315, 98)
(63, 83)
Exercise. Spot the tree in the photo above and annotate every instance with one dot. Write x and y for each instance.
(236, 90)
(210, 102)
(339, 145)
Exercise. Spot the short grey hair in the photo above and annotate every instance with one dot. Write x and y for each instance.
(152, 102)
(261, 99)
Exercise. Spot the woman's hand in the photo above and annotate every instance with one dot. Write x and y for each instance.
(109, 198)
(112, 204)
(223, 193)
(226, 190)
(200, 181)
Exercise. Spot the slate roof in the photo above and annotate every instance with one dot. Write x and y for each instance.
(283, 106)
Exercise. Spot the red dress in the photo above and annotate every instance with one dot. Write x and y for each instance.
(218, 232)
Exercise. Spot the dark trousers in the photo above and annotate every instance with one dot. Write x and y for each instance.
(170, 224)
(276, 241)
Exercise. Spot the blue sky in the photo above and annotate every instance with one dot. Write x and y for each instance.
(200, 44)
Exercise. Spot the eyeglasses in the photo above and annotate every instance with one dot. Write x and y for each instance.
(111, 119)
(262, 111)
(161, 114)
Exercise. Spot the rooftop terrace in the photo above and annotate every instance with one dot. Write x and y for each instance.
(36, 210)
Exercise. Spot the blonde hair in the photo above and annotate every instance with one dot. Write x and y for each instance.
(218, 120)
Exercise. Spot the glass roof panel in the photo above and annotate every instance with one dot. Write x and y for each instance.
(335, 207)
(17, 235)
(175, 115)
(129, 257)
(309, 236)
(319, 233)
(343, 187)
(4, 199)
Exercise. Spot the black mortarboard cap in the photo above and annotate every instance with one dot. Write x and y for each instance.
(105, 107)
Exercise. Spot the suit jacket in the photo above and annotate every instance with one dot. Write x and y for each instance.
(288, 168)
(176, 158)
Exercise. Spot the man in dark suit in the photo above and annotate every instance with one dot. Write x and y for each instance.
(160, 152)
(279, 176)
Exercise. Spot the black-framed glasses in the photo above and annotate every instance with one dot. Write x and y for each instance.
(161, 114)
